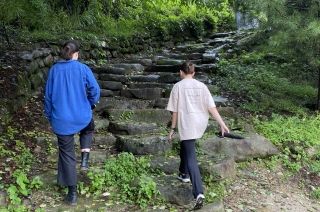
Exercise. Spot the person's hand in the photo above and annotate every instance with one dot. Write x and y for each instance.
(224, 129)
(170, 136)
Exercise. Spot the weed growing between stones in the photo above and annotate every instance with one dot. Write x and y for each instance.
(126, 178)
(16, 162)
(214, 190)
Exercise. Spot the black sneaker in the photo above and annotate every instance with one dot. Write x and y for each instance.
(199, 202)
(184, 178)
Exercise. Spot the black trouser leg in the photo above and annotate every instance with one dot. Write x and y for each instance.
(183, 168)
(189, 151)
(67, 174)
(86, 136)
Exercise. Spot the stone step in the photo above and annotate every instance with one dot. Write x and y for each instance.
(100, 124)
(161, 103)
(142, 61)
(219, 41)
(219, 168)
(113, 77)
(143, 144)
(184, 56)
(104, 140)
(172, 78)
(150, 85)
(159, 116)
(108, 93)
(222, 35)
(206, 68)
(144, 78)
(123, 103)
(133, 128)
(169, 61)
(191, 48)
(132, 67)
(109, 69)
(143, 93)
(110, 85)
(163, 68)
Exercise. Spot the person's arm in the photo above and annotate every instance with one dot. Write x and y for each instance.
(173, 125)
(173, 108)
(48, 96)
(93, 89)
(215, 114)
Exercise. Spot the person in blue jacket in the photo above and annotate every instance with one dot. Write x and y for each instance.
(70, 95)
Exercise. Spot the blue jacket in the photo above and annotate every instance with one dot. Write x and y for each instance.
(71, 89)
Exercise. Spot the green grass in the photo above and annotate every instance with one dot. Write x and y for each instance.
(295, 136)
(262, 86)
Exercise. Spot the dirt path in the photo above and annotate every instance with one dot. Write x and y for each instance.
(257, 188)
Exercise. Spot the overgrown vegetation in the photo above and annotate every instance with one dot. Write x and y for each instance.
(16, 161)
(126, 178)
(263, 86)
(107, 18)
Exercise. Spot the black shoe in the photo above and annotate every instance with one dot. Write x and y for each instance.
(84, 161)
(71, 198)
(199, 202)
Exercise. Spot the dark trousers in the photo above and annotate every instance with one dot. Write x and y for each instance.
(189, 165)
(67, 173)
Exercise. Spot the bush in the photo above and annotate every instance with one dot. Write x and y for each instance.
(126, 178)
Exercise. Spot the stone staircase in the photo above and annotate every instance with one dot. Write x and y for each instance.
(131, 114)
(131, 117)
(135, 92)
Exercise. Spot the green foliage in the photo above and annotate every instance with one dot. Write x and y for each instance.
(214, 190)
(121, 18)
(126, 116)
(316, 193)
(126, 178)
(294, 28)
(263, 86)
(293, 136)
(20, 159)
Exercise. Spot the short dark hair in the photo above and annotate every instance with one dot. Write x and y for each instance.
(187, 67)
(69, 48)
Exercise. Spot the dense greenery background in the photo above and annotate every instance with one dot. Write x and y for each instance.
(61, 18)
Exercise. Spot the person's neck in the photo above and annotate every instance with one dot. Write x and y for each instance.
(188, 77)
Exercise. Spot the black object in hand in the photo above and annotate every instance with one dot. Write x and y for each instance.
(230, 135)
(93, 107)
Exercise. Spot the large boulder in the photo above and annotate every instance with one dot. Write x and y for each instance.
(253, 146)
(175, 192)
(143, 145)
(216, 206)
(220, 169)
